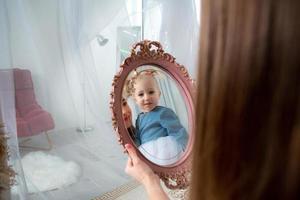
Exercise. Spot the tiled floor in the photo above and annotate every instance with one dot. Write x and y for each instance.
(98, 154)
(133, 190)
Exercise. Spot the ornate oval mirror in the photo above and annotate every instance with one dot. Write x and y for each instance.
(152, 108)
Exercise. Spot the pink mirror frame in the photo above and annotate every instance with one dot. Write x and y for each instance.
(177, 175)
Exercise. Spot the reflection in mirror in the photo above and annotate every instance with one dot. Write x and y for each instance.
(150, 106)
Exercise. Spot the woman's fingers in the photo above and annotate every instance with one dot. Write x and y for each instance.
(129, 165)
(129, 162)
(132, 153)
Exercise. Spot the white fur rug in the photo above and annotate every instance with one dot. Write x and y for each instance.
(45, 172)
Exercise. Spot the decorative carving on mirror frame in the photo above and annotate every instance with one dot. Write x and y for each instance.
(149, 52)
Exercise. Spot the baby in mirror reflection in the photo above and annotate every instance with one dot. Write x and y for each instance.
(158, 133)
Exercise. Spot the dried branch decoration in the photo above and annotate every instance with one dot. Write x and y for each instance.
(7, 174)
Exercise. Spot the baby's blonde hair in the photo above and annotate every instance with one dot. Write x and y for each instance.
(130, 89)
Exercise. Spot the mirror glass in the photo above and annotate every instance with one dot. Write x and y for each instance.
(155, 114)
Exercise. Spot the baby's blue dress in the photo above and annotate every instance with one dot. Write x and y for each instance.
(160, 135)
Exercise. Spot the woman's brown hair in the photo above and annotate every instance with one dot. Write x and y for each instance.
(247, 142)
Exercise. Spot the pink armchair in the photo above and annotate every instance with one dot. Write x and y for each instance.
(31, 118)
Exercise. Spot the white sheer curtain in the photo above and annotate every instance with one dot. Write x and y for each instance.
(32, 44)
(8, 117)
(174, 23)
(52, 39)
(79, 23)
(5, 56)
(9, 12)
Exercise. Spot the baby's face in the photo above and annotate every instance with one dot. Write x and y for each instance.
(146, 93)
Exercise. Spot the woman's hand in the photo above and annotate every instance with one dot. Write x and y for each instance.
(137, 168)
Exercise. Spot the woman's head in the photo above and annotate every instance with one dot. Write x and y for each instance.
(145, 90)
(248, 104)
(127, 114)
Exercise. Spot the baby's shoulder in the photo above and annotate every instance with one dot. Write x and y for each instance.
(162, 109)
(165, 112)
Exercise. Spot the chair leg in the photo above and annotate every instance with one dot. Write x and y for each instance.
(50, 145)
